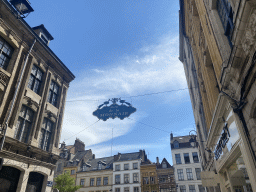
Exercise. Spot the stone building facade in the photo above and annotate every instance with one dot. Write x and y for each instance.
(96, 175)
(186, 164)
(148, 176)
(126, 171)
(222, 34)
(165, 176)
(32, 103)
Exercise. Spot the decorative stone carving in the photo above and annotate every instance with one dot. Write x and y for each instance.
(249, 38)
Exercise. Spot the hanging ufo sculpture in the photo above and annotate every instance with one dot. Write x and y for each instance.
(107, 110)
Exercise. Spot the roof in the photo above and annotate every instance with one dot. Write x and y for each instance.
(79, 155)
(93, 164)
(181, 139)
(129, 156)
(184, 141)
(160, 165)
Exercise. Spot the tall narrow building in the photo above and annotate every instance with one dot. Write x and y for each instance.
(186, 164)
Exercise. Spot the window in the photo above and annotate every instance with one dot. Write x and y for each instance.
(136, 189)
(198, 173)
(53, 93)
(46, 133)
(44, 39)
(5, 53)
(177, 158)
(84, 167)
(201, 188)
(164, 165)
(135, 165)
(126, 166)
(35, 79)
(186, 158)
(126, 189)
(163, 178)
(117, 189)
(226, 16)
(117, 179)
(195, 157)
(98, 181)
(82, 182)
(192, 188)
(117, 167)
(92, 182)
(105, 181)
(180, 174)
(176, 145)
(73, 171)
(182, 188)
(126, 178)
(152, 180)
(135, 177)
(24, 124)
(189, 174)
(145, 180)
(99, 166)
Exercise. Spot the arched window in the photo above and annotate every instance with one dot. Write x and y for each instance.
(176, 144)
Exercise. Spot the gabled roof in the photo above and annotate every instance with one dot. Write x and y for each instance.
(160, 166)
(93, 164)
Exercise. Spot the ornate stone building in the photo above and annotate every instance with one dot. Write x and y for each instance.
(165, 176)
(33, 89)
(221, 34)
(148, 176)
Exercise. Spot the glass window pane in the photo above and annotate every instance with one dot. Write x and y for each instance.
(36, 86)
(39, 74)
(34, 69)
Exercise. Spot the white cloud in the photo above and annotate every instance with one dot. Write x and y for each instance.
(153, 69)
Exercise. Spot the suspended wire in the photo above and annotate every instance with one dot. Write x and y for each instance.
(147, 94)
(82, 130)
(149, 126)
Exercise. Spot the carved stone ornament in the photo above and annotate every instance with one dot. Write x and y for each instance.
(249, 38)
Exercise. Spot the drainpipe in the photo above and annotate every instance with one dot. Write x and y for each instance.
(15, 96)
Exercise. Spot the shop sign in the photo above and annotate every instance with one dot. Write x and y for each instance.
(222, 142)
(119, 108)
(209, 178)
(49, 183)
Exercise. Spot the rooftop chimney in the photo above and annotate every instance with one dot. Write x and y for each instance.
(157, 160)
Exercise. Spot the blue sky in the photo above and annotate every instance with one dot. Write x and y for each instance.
(120, 48)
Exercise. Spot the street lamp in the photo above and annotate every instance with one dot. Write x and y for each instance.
(22, 6)
(192, 140)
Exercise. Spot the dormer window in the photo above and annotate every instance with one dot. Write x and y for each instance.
(44, 39)
(99, 165)
(164, 165)
(176, 144)
(42, 32)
